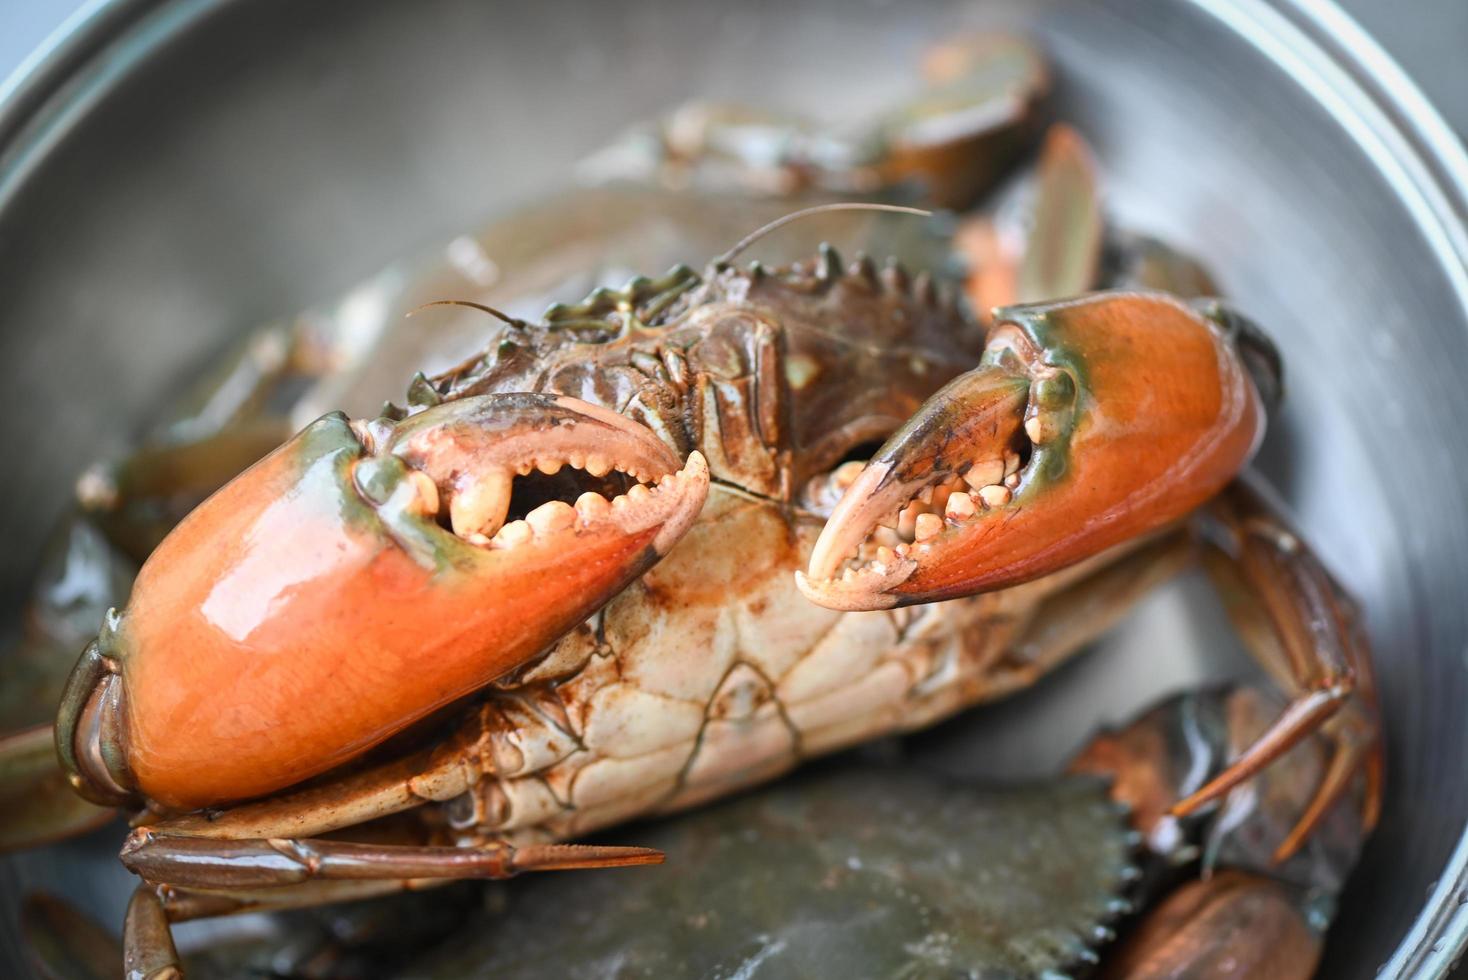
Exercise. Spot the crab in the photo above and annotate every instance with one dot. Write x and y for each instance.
(665, 544)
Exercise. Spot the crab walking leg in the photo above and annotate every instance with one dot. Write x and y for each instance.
(189, 904)
(139, 498)
(1248, 915)
(148, 952)
(192, 878)
(197, 862)
(1184, 742)
(1301, 628)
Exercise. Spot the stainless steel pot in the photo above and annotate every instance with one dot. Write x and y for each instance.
(177, 170)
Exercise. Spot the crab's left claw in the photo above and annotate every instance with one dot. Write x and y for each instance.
(1089, 422)
(358, 579)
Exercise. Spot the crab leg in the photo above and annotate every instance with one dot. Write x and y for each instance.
(1303, 629)
(1250, 914)
(148, 952)
(193, 877)
(196, 862)
(138, 499)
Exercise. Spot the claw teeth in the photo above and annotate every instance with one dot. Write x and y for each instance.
(639, 493)
(845, 475)
(1041, 428)
(1011, 462)
(592, 506)
(960, 506)
(995, 496)
(512, 535)
(598, 465)
(984, 474)
(550, 467)
(907, 521)
(940, 497)
(927, 526)
(552, 516)
(427, 492)
(480, 506)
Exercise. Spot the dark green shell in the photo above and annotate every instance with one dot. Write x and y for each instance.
(846, 872)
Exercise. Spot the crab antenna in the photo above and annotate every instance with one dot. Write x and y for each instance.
(786, 219)
(497, 314)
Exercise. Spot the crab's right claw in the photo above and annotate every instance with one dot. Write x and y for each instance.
(1089, 422)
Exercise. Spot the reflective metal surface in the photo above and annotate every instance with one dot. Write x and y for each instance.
(182, 170)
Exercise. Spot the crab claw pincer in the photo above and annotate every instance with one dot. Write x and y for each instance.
(1088, 423)
(358, 579)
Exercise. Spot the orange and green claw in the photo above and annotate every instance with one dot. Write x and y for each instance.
(359, 578)
(1088, 423)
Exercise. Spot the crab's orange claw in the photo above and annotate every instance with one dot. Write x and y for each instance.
(1089, 422)
(359, 578)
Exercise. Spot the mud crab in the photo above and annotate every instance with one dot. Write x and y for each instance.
(664, 544)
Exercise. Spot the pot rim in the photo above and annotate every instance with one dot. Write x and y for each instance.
(1315, 42)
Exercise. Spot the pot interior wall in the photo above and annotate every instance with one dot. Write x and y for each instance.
(266, 154)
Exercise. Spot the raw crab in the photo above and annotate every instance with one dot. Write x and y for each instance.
(670, 541)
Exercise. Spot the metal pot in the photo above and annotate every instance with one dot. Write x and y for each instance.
(178, 170)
